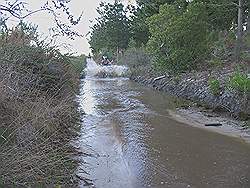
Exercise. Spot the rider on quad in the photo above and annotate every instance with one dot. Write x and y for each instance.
(105, 61)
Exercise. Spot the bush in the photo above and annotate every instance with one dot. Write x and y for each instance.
(245, 56)
(240, 82)
(214, 86)
(216, 63)
(135, 57)
(182, 41)
(38, 115)
(78, 62)
(223, 45)
(247, 40)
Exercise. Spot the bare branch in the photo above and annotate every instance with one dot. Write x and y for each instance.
(18, 10)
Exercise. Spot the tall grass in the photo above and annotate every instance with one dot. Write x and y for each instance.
(39, 117)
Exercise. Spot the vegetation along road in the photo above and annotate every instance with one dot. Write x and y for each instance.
(161, 98)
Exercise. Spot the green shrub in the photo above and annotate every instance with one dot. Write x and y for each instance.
(223, 44)
(135, 57)
(181, 41)
(214, 86)
(247, 40)
(245, 56)
(239, 82)
(216, 63)
(78, 62)
(177, 78)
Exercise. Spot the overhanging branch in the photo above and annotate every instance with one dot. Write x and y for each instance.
(18, 10)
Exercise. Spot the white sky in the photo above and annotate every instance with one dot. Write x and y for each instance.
(44, 21)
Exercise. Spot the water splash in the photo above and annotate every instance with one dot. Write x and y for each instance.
(95, 70)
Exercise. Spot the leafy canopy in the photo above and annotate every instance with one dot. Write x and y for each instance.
(179, 39)
(112, 28)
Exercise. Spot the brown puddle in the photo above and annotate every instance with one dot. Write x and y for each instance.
(138, 144)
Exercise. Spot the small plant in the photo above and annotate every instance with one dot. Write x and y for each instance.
(214, 86)
(247, 40)
(240, 82)
(216, 62)
(245, 56)
(177, 78)
(246, 124)
(182, 103)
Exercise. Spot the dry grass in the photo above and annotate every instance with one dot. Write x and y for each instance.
(39, 117)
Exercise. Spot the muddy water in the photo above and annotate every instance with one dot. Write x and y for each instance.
(136, 143)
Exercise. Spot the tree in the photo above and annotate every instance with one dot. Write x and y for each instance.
(170, 28)
(222, 14)
(151, 7)
(231, 14)
(145, 9)
(138, 28)
(111, 29)
(19, 10)
(179, 40)
(239, 31)
(248, 18)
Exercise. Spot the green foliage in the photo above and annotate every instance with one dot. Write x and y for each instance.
(151, 7)
(247, 40)
(138, 28)
(182, 103)
(78, 62)
(177, 78)
(216, 63)
(147, 8)
(106, 52)
(214, 86)
(239, 82)
(245, 56)
(179, 35)
(221, 13)
(181, 41)
(111, 30)
(223, 44)
(135, 57)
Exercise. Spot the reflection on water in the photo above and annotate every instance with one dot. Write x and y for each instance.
(137, 144)
(88, 101)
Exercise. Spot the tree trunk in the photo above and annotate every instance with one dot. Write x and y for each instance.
(248, 19)
(239, 31)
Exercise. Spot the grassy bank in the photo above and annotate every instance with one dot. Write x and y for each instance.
(39, 116)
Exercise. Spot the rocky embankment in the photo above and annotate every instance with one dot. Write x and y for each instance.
(195, 87)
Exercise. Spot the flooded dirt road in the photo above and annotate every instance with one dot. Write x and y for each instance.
(136, 142)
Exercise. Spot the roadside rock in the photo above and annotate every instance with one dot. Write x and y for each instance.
(195, 87)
